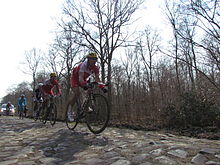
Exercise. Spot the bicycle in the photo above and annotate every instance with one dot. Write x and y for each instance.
(49, 111)
(94, 109)
(38, 106)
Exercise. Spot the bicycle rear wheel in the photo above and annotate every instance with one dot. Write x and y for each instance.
(42, 113)
(53, 114)
(21, 114)
(35, 112)
(97, 113)
(71, 115)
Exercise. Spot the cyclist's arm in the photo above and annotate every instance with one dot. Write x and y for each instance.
(25, 102)
(100, 84)
(97, 79)
(96, 72)
(82, 82)
(58, 92)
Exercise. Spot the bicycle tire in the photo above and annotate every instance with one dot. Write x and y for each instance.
(53, 114)
(42, 114)
(35, 112)
(46, 114)
(38, 113)
(70, 116)
(98, 119)
(21, 114)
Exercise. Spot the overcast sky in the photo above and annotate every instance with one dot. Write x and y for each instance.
(27, 24)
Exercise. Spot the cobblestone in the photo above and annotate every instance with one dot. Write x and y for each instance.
(26, 142)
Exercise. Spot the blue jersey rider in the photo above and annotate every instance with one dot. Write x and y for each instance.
(22, 103)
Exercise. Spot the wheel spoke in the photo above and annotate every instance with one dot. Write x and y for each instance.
(53, 114)
(97, 116)
(71, 116)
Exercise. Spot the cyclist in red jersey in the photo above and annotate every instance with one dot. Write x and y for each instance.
(80, 74)
(49, 84)
(47, 88)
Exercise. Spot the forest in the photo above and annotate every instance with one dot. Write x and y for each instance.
(155, 81)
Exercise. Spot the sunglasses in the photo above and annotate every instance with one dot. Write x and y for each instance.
(93, 59)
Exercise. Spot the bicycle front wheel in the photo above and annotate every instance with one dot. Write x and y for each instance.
(53, 114)
(71, 116)
(97, 113)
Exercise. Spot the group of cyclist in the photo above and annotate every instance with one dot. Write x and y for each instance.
(78, 80)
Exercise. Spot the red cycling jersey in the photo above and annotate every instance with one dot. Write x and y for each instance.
(83, 67)
(48, 86)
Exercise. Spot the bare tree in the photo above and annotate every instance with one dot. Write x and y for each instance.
(197, 16)
(63, 56)
(207, 13)
(100, 25)
(33, 59)
(148, 46)
(186, 31)
(128, 63)
(172, 15)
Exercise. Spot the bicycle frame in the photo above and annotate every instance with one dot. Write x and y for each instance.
(82, 102)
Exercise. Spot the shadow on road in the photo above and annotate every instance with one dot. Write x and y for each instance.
(18, 125)
(65, 144)
(56, 142)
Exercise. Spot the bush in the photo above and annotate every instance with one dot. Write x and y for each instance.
(191, 110)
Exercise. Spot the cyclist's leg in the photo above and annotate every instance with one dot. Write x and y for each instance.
(25, 111)
(75, 88)
(71, 115)
(35, 109)
(72, 103)
(47, 99)
(51, 101)
(76, 94)
(19, 111)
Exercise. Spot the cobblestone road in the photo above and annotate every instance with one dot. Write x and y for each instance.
(26, 142)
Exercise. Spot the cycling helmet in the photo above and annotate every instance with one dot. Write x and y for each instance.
(53, 74)
(22, 95)
(40, 85)
(92, 55)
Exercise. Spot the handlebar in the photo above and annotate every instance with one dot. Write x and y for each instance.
(101, 85)
(91, 84)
